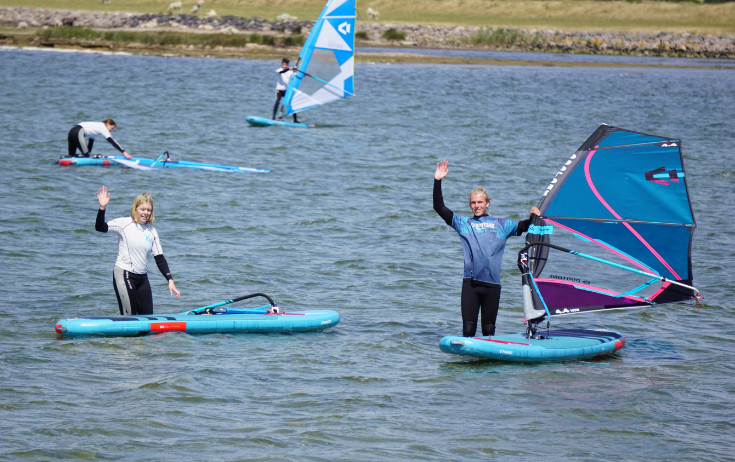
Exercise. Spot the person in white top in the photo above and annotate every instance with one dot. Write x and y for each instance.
(284, 75)
(136, 239)
(78, 132)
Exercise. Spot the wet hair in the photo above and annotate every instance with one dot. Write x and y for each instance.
(144, 198)
(109, 122)
(482, 192)
(284, 60)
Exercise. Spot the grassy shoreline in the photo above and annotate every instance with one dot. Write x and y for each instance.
(190, 41)
(609, 15)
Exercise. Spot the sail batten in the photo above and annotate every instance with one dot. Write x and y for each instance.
(325, 70)
(621, 203)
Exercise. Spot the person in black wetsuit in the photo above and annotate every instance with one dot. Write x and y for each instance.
(483, 242)
(284, 75)
(77, 137)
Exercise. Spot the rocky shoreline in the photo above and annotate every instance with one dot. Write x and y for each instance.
(375, 33)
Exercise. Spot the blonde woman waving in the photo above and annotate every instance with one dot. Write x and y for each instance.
(136, 239)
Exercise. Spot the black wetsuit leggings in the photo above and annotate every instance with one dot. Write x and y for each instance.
(474, 298)
(134, 296)
(76, 141)
(279, 96)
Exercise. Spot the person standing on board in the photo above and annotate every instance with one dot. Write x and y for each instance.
(136, 239)
(483, 242)
(78, 132)
(284, 75)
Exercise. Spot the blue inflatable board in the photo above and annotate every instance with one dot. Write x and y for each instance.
(192, 322)
(555, 345)
(148, 164)
(256, 121)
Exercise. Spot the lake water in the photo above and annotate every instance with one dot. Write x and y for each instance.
(344, 221)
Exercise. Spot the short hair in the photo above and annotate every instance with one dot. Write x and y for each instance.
(482, 192)
(284, 60)
(109, 122)
(144, 198)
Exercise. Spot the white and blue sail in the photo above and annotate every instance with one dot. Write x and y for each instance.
(326, 66)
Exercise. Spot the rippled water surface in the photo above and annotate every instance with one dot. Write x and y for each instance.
(344, 221)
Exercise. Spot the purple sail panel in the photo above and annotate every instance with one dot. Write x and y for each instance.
(562, 294)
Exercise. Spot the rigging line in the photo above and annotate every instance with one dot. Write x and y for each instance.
(627, 225)
(624, 220)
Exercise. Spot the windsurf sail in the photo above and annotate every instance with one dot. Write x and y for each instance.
(616, 231)
(326, 66)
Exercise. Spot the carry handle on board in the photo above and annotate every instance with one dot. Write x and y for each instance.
(165, 153)
(208, 309)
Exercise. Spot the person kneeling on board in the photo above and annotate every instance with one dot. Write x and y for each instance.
(136, 239)
(78, 132)
(483, 243)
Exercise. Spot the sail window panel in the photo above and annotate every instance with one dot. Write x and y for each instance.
(323, 66)
(571, 281)
(662, 249)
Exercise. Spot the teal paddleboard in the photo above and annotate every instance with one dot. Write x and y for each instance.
(256, 121)
(553, 345)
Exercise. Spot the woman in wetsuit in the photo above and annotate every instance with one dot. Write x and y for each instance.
(77, 137)
(136, 239)
(483, 242)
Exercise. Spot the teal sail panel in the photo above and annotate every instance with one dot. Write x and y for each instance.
(326, 66)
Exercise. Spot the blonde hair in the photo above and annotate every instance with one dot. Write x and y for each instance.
(144, 198)
(481, 192)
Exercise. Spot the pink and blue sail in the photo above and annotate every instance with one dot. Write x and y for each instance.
(616, 231)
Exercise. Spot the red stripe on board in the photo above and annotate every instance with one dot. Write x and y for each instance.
(65, 162)
(619, 344)
(490, 339)
(59, 329)
(179, 326)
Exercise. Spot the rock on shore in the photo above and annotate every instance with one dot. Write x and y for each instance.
(405, 35)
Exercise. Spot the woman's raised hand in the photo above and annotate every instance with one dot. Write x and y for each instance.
(104, 197)
(442, 168)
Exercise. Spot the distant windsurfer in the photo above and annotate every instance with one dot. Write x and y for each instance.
(483, 242)
(79, 132)
(136, 239)
(284, 75)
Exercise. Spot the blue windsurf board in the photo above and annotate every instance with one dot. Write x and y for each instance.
(554, 345)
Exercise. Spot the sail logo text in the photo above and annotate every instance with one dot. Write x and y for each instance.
(566, 311)
(561, 172)
(568, 278)
(344, 28)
